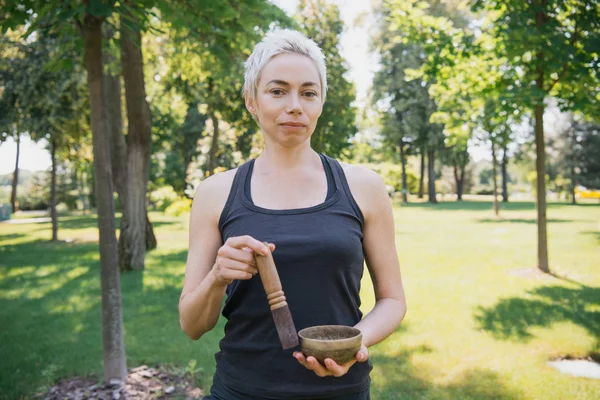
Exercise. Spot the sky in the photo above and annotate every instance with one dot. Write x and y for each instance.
(354, 48)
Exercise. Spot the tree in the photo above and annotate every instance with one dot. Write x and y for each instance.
(320, 21)
(88, 17)
(134, 227)
(524, 32)
(114, 349)
(12, 78)
(405, 98)
(49, 101)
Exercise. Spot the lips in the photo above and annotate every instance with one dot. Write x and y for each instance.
(296, 124)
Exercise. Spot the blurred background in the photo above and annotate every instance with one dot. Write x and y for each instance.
(481, 117)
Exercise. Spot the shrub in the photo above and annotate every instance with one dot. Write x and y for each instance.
(179, 207)
(392, 175)
(163, 197)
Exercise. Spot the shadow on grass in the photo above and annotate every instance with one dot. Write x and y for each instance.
(395, 377)
(50, 314)
(520, 220)
(91, 221)
(469, 205)
(11, 236)
(593, 233)
(59, 333)
(514, 317)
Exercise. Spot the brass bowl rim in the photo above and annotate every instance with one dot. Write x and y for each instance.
(337, 341)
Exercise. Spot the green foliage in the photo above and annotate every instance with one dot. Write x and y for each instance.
(392, 176)
(179, 207)
(320, 20)
(589, 160)
(526, 31)
(163, 197)
(36, 194)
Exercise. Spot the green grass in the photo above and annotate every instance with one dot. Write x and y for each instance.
(479, 326)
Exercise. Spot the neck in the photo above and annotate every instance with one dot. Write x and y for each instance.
(279, 158)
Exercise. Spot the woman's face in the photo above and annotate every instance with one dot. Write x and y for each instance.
(288, 101)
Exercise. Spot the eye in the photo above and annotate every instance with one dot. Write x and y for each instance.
(310, 94)
(276, 92)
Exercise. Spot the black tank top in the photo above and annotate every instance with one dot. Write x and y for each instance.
(320, 260)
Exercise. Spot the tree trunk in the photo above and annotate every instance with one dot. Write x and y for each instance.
(132, 241)
(504, 174)
(15, 181)
(540, 165)
(118, 147)
(495, 178)
(573, 183)
(572, 162)
(112, 95)
(112, 318)
(403, 163)
(422, 174)
(53, 191)
(431, 176)
(459, 181)
(212, 156)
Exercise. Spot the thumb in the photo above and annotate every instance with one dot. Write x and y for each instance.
(362, 355)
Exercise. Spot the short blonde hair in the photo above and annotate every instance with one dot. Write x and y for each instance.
(277, 42)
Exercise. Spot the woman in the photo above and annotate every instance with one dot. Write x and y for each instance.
(322, 219)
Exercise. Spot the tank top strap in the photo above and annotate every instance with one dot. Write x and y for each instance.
(236, 191)
(342, 184)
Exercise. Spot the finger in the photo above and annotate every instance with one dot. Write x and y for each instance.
(317, 367)
(245, 255)
(232, 275)
(236, 265)
(362, 355)
(336, 369)
(248, 241)
(301, 359)
(272, 247)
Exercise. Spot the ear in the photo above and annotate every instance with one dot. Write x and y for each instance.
(250, 106)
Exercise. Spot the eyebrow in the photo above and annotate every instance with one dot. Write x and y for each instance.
(284, 83)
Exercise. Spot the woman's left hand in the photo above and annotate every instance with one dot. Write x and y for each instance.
(331, 368)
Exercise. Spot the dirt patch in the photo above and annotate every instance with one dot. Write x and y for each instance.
(142, 383)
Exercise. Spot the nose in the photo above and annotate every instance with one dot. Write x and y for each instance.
(294, 106)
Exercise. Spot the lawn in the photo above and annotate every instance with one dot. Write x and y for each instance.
(480, 325)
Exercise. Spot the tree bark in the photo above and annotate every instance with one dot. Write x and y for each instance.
(112, 318)
(431, 176)
(422, 174)
(495, 177)
(504, 174)
(404, 184)
(572, 162)
(132, 241)
(573, 182)
(15, 181)
(540, 165)
(53, 215)
(214, 146)
(459, 179)
(118, 147)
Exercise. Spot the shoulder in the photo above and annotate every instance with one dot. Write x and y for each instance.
(367, 188)
(211, 194)
(361, 176)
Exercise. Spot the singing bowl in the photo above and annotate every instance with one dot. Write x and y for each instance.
(338, 342)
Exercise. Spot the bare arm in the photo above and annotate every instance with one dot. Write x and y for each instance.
(210, 266)
(381, 256)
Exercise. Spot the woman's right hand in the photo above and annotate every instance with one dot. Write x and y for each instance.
(235, 259)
